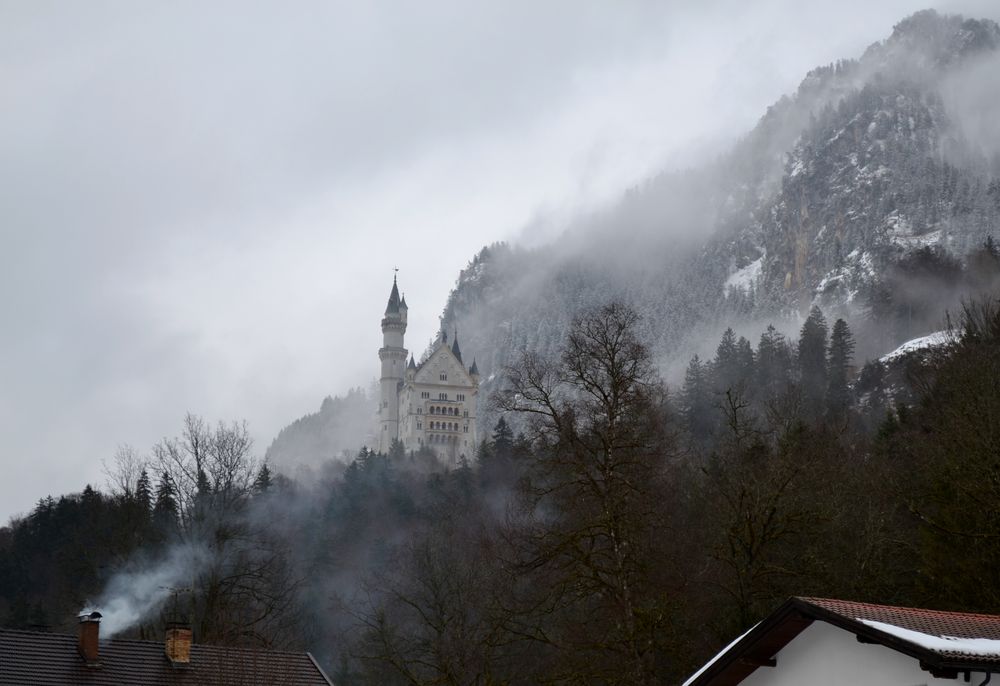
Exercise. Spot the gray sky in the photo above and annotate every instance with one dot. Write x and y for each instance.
(202, 203)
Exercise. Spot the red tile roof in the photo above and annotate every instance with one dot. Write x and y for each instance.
(42, 659)
(931, 622)
(759, 645)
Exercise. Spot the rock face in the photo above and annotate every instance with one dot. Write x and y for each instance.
(878, 175)
(869, 161)
(882, 171)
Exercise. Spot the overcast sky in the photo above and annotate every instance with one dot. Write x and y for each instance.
(201, 204)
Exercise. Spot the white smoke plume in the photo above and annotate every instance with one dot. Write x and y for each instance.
(135, 593)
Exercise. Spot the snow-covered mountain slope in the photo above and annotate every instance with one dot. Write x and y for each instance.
(838, 185)
(863, 192)
(934, 340)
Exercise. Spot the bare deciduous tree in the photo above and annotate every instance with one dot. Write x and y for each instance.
(593, 506)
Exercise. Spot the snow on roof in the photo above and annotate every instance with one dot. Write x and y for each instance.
(718, 655)
(933, 340)
(946, 645)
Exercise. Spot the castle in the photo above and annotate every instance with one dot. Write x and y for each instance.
(432, 404)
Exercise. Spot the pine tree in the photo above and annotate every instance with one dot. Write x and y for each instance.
(165, 510)
(839, 360)
(744, 360)
(774, 366)
(812, 361)
(262, 484)
(396, 450)
(503, 440)
(143, 494)
(696, 400)
(726, 367)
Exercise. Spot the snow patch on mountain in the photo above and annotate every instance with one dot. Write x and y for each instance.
(900, 231)
(747, 277)
(843, 284)
(933, 340)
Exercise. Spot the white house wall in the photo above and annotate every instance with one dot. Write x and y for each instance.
(824, 655)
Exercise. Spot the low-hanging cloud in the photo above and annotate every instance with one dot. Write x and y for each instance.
(202, 204)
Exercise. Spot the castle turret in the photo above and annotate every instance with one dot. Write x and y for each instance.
(393, 356)
(457, 351)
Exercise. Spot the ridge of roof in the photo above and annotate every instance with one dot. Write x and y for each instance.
(148, 642)
(931, 622)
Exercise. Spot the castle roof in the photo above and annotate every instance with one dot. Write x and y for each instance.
(455, 349)
(412, 364)
(393, 306)
(474, 370)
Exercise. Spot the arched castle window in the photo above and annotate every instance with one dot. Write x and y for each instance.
(443, 376)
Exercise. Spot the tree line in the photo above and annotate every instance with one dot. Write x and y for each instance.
(607, 531)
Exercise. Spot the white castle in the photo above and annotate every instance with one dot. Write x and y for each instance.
(432, 404)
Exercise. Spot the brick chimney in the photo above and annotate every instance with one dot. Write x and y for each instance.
(178, 644)
(90, 626)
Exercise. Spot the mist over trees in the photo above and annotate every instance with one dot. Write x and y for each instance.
(624, 534)
(614, 527)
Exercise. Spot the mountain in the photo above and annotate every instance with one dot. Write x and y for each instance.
(838, 185)
(866, 192)
(337, 430)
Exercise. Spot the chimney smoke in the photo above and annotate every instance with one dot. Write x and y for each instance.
(90, 625)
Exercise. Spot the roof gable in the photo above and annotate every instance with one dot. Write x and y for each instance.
(944, 643)
(443, 360)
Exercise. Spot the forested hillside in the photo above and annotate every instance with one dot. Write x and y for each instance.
(777, 374)
(623, 537)
(832, 199)
(825, 202)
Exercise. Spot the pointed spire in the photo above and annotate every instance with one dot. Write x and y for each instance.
(474, 370)
(454, 347)
(402, 302)
(412, 364)
(393, 306)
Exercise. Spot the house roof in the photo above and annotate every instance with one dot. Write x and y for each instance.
(945, 643)
(44, 659)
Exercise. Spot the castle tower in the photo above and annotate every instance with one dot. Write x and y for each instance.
(393, 356)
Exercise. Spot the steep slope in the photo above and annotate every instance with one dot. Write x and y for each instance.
(340, 427)
(866, 163)
(860, 192)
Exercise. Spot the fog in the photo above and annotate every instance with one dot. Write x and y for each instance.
(202, 206)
